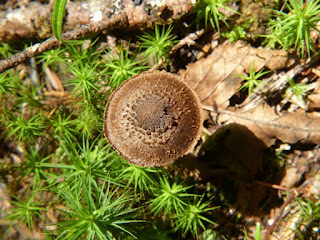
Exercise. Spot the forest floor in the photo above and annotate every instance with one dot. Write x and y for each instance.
(258, 156)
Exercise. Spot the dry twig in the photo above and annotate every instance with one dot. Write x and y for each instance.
(279, 216)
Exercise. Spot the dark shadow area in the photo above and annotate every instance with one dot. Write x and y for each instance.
(234, 162)
(237, 170)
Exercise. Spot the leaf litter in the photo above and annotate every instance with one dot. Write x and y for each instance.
(256, 123)
(245, 129)
(216, 80)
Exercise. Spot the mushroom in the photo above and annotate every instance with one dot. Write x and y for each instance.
(152, 119)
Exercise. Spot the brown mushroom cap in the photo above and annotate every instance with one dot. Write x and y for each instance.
(152, 119)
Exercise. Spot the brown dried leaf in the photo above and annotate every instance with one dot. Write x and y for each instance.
(314, 97)
(53, 80)
(268, 126)
(215, 79)
(314, 102)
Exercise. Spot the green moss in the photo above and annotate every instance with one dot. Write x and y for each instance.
(257, 13)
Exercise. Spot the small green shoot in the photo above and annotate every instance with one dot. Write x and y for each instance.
(34, 165)
(257, 237)
(88, 121)
(88, 162)
(84, 81)
(6, 85)
(158, 45)
(26, 130)
(84, 64)
(100, 214)
(210, 234)
(209, 10)
(239, 32)
(57, 17)
(81, 55)
(252, 80)
(121, 68)
(25, 211)
(30, 96)
(281, 156)
(52, 57)
(170, 198)
(63, 126)
(5, 50)
(258, 233)
(294, 28)
(140, 177)
(192, 217)
(308, 226)
(297, 93)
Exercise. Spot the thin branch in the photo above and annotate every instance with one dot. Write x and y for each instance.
(279, 215)
(275, 186)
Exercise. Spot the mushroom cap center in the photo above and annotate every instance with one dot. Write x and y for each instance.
(154, 114)
(150, 117)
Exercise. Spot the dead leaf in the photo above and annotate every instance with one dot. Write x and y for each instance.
(314, 97)
(215, 79)
(268, 126)
(53, 80)
(314, 102)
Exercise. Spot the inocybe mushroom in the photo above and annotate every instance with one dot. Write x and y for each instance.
(152, 119)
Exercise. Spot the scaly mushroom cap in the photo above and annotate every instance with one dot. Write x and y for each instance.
(152, 119)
